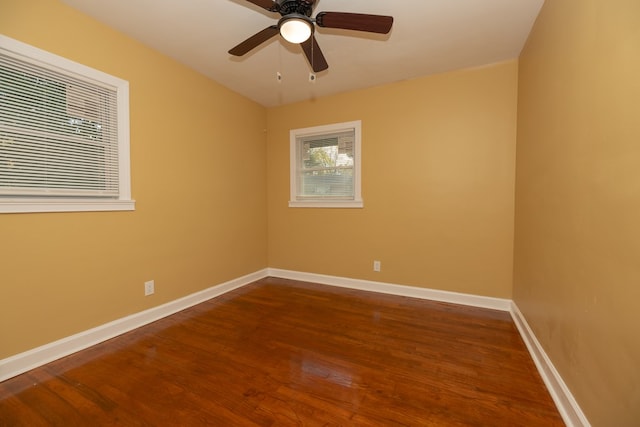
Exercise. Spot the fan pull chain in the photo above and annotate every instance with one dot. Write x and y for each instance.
(312, 75)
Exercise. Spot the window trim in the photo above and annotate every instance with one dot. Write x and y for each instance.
(25, 204)
(294, 134)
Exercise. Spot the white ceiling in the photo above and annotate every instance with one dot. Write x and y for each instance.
(428, 36)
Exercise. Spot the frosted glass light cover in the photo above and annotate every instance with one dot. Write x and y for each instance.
(295, 30)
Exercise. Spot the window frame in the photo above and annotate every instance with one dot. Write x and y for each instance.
(295, 146)
(123, 202)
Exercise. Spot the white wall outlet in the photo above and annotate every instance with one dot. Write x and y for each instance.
(376, 265)
(149, 288)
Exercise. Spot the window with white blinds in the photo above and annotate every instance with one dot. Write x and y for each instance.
(64, 142)
(325, 166)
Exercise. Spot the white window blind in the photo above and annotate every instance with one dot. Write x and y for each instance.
(325, 166)
(64, 134)
(326, 169)
(58, 134)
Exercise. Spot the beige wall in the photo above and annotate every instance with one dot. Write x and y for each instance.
(438, 159)
(198, 175)
(577, 240)
(438, 187)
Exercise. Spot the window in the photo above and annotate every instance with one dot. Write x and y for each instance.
(64, 134)
(325, 166)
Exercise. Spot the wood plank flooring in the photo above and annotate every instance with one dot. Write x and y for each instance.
(285, 353)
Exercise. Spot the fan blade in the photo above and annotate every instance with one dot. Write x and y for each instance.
(355, 21)
(255, 40)
(265, 4)
(314, 54)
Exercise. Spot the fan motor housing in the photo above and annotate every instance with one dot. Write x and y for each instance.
(302, 7)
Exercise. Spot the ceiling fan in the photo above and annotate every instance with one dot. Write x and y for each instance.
(297, 26)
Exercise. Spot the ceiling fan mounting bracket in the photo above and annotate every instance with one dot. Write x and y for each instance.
(300, 7)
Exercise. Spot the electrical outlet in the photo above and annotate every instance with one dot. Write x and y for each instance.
(376, 265)
(149, 288)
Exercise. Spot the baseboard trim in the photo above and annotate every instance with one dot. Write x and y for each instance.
(23, 362)
(567, 406)
(569, 409)
(393, 289)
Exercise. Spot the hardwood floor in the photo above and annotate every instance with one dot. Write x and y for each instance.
(285, 353)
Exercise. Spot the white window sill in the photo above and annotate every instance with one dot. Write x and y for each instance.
(347, 204)
(64, 205)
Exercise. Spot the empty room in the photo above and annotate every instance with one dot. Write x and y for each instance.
(415, 214)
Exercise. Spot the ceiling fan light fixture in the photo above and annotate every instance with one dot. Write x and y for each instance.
(295, 28)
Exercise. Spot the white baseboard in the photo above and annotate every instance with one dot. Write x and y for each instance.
(39, 356)
(569, 409)
(22, 362)
(567, 406)
(401, 290)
